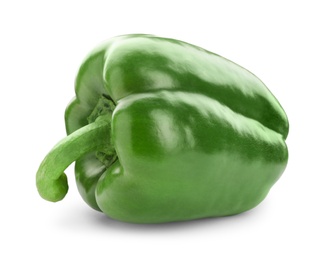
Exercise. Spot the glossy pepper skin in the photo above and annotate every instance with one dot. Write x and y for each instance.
(162, 130)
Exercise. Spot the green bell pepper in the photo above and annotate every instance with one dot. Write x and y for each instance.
(162, 130)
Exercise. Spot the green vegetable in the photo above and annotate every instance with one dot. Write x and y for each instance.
(162, 131)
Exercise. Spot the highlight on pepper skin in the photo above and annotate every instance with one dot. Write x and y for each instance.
(161, 130)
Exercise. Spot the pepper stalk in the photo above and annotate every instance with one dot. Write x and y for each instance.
(51, 181)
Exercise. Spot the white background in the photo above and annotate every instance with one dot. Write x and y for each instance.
(42, 45)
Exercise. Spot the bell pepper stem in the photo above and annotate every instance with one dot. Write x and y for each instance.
(51, 181)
